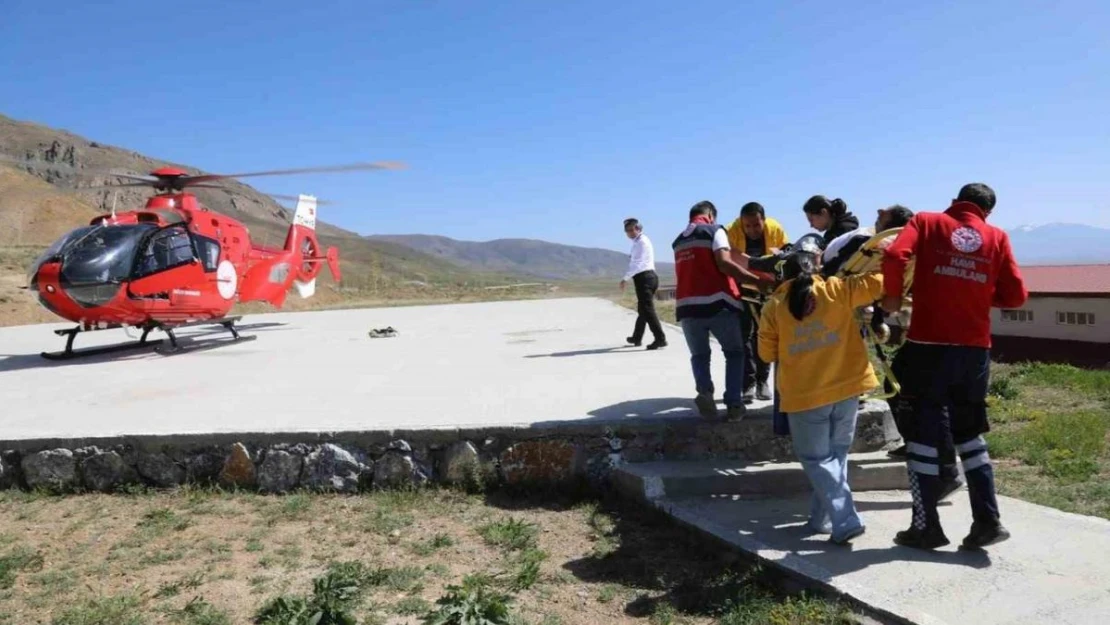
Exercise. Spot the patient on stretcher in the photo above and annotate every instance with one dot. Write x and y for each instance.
(843, 247)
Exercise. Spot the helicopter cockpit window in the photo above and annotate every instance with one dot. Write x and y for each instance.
(209, 250)
(168, 248)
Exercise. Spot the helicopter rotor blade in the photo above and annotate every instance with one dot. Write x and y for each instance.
(276, 196)
(294, 198)
(191, 180)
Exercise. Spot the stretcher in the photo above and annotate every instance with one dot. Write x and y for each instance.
(874, 328)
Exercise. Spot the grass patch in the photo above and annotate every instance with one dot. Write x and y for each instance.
(208, 557)
(123, 609)
(1050, 424)
(432, 545)
(161, 520)
(511, 534)
(200, 612)
(17, 560)
(1066, 447)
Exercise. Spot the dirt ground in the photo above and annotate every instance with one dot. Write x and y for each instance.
(204, 557)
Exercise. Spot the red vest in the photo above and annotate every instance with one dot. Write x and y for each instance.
(703, 290)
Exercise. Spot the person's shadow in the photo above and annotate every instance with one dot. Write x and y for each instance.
(825, 561)
(585, 352)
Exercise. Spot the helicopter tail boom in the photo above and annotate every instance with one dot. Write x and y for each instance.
(296, 264)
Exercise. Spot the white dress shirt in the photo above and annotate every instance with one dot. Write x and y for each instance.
(642, 257)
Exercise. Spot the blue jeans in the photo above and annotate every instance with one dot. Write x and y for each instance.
(725, 327)
(822, 438)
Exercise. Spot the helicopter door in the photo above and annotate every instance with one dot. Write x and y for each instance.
(167, 261)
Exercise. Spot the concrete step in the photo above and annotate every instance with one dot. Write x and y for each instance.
(677, 479)
(1053, 569)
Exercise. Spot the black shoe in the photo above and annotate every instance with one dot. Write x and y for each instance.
(736, 413)
(749, 394)
(983, 534)
(707, 406)
(921, 539)
(898, 453)
(763, 392)
(632, 341)
(657, 345)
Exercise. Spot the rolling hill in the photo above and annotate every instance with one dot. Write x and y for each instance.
(1060, 244)
(541, 259)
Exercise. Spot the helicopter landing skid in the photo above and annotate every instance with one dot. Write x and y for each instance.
(71, 334)
(227, 322)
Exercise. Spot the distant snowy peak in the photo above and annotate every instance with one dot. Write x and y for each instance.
(1060, 243)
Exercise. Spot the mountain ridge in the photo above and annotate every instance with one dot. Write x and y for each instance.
(1060, 243)
(525, 256)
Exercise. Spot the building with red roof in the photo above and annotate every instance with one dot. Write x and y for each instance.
(1067, 317)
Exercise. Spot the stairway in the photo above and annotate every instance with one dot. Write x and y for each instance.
(650, 481)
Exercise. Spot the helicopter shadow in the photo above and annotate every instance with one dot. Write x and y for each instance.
(157, 345)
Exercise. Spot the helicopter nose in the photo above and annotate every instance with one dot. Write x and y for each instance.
(47, 283)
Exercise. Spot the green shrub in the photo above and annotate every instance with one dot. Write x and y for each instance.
(472, 603)
(333, 595)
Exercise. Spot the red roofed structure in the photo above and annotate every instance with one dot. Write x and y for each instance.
(1068, 280)
(1067, 317)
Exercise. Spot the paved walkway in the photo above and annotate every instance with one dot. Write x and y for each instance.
(1054, 570)
(555, 361)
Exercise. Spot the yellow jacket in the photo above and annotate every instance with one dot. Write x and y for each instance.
(773, 235)
(822, 359)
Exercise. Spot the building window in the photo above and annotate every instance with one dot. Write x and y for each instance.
(1017, 316)
(1075, 318)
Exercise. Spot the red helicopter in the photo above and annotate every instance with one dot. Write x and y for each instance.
(174, 263)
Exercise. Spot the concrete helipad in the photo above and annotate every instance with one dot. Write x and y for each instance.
(453, 366)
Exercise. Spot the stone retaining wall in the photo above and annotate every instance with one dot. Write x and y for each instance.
(355, 461)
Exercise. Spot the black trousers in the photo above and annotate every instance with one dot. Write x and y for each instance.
(953, 386)
(647, 283)
(755, 370)
(912, 373)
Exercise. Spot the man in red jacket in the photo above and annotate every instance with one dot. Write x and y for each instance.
(963, 267)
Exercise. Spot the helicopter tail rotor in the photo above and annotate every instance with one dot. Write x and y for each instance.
(303, 242)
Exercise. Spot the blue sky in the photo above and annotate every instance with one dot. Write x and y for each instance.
(556, 120)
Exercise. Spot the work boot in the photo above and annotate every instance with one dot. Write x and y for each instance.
(657, 344)
(707, 406)
(984, 534)
(764, 392)
(633, 341)
(899, 453)
(921, 539)
(736, 413)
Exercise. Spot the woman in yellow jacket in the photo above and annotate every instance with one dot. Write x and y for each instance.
(809, 331)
